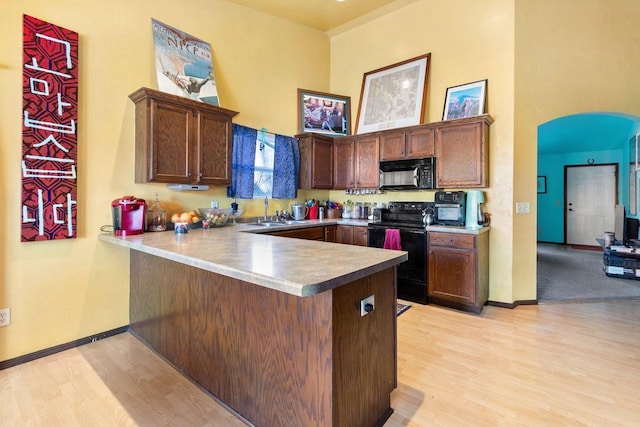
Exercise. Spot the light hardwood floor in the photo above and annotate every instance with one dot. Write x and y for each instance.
(547, 365)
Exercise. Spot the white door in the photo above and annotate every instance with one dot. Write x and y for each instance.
(591, 202)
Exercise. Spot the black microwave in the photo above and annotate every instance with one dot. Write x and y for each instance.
(412, 174)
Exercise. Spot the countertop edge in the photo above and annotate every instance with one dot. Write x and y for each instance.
(297, 288)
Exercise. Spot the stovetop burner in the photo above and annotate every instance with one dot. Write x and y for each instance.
(404, 214)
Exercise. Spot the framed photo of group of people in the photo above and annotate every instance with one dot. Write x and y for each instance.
(322, 112)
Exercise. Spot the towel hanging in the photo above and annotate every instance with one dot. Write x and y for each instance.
(392, 239)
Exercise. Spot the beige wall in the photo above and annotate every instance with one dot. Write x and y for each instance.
(468, 42)
(60, 291)
(572, 56)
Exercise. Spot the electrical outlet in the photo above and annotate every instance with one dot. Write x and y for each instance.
(5, 316)
(367, 305)
(523, 207)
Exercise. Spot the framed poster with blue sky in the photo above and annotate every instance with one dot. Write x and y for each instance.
(465, 100)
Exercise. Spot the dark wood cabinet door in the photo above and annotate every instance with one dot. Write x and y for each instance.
(392, 146)
(344, 234)
(322, 164)
(330, 233)
(462, 155)
(316, 161)
(169, 143)
(343, 163)
(420, 143)
(312, 233)
(360, 236)
(452, 275)
(213, 149)
(367, 168)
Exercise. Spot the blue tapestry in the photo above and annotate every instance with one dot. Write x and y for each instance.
(243, 162)
(286, 168)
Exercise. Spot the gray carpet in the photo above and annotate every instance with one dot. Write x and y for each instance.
(567, 274)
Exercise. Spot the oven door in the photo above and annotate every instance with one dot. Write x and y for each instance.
(412, 274)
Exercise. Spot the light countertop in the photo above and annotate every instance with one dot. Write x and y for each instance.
(295, 266)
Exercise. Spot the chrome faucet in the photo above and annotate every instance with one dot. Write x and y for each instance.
(266, 207)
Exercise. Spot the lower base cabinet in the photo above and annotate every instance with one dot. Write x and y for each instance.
(274, 358)
(352, 235)
(458, 269)
(311, 233)
(330, 233)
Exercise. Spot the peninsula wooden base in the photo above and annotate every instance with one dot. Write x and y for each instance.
(274, 358)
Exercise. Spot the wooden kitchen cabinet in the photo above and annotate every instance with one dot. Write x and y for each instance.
(182, 141)
(316, 161)
(344, 234)
(343, 163)
(461, 149)
(356, 162)
(309, 233)
(330, 233)
(360, 236)
(411, 143)
(367, 157)
(352, 235)
(458, 269)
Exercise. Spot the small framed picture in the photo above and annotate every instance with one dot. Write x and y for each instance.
(465, 100)
(323, 113)
(394, 96)
(542, 184)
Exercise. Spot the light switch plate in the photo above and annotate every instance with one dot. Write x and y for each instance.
(523, 207)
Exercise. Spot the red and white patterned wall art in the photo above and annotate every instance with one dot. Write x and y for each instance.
(49, 131)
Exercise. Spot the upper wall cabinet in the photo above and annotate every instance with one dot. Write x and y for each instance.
(409, 143)
(356, 161)
(344, 163)
(182, 141)
(316, 161)
(462, 152)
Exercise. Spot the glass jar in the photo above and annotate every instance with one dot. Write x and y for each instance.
(355, 212)
(156, 216)
(346, 209)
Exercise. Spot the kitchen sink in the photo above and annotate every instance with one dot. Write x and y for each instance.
(276, 223)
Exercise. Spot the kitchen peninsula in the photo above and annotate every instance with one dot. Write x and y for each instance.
(270, 325)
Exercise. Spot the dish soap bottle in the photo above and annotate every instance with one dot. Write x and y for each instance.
(156, 216)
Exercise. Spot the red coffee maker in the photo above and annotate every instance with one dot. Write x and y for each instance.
(128, 216)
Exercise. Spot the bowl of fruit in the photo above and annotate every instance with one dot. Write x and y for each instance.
(185, 221)
(214, 217)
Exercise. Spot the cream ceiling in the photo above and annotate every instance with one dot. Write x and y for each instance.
(324, 15)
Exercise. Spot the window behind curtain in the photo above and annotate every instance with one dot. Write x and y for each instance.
(263, 177)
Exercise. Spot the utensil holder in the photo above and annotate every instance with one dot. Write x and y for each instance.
(334, 213)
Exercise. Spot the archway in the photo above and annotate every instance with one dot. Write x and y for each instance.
(582, 139)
